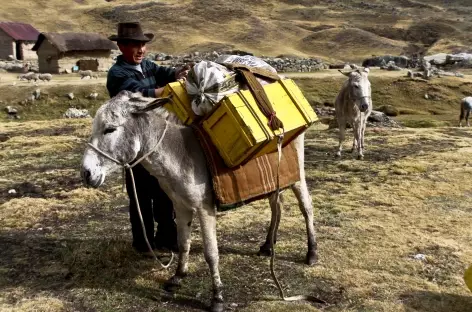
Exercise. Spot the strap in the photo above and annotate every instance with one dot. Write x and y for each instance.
(261, 98)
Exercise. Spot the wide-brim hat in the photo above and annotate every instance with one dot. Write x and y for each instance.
(131, 31)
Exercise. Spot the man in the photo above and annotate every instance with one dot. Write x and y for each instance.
(134, 73)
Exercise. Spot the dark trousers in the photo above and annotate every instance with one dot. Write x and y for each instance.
(155, 206)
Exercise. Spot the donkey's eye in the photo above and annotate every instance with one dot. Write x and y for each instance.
(356, 86)
(109, 130)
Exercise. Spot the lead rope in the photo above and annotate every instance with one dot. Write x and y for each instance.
(127, 166)
(280, 139)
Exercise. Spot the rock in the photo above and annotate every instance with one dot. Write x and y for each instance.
(390, 66)
(11, 110)
(70, 96)
(420, 257)
(37, 94)
(11, 58)
(426, 96)
(437, 59)
(12, 191)
(376, 116)
(93, 95)
(379, 61)
(389, 110)
(76, 113)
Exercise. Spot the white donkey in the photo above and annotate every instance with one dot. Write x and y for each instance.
(353, 105)
(129, 127)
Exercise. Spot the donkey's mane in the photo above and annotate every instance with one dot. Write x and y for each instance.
(171, 117)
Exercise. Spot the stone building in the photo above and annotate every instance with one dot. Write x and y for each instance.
(17, 39)
(61, 52)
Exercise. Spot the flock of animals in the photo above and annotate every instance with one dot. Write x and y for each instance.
(46, 77)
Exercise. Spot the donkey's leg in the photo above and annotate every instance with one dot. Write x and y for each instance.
(184, 217)
(342, 129)
(207, 216)
(357, 127)
(306, 207)
(275, 208)
(364, 124)
(354, 146)
(461, 117)
(467, 117)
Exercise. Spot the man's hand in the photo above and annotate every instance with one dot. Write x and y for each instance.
(182, 72)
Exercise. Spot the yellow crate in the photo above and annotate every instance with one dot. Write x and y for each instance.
(181, 102)
(240, 131)
(468, 277)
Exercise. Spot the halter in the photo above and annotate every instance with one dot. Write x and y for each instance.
(127, 166)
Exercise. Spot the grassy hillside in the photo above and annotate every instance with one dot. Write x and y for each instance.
(335, 30)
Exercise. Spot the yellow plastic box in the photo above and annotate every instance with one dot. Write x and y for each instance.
(181, 101)
(240, 130)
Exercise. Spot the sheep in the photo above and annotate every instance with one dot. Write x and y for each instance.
(25, 76)
(85, 73)
(45, 77)
(32, 76)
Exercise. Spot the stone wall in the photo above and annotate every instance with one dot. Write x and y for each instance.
(7, 46)
(281, 64)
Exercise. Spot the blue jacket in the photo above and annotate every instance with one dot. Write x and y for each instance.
(123, 76)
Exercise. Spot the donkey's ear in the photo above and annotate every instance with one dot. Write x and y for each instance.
(345, 73)
(142, 105)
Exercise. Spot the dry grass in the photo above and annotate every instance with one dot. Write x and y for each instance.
(263, 26)
(67, 248)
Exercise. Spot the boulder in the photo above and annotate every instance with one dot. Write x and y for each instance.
(76, 113)
(437, 59)
(389, 110)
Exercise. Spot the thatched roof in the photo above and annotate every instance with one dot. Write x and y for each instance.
(66, 42)
(20, 31)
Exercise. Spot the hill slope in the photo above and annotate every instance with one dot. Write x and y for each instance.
(350, 31)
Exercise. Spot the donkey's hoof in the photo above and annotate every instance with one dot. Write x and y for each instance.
(265, 251)
(311, 257)
(360, 157)
(217, 306)
(337, 155)
(172, 285)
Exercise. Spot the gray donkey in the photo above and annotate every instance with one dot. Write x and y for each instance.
(129, 127)
(353, 105)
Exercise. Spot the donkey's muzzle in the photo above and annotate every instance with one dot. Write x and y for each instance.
(364, 107)
(88, 180)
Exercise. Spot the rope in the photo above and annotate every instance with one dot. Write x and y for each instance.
(273, 233)
(127, 166)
